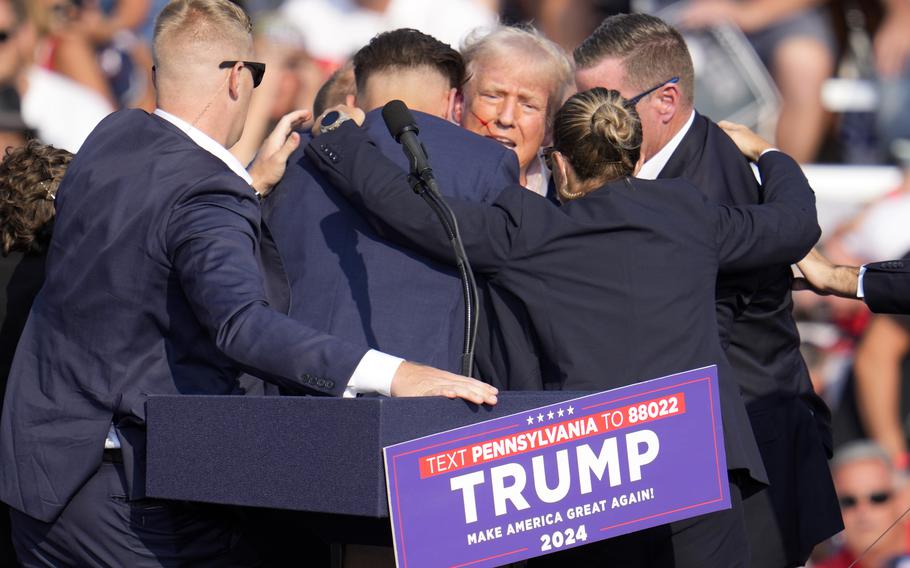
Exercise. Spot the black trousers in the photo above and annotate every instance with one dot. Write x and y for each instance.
(100, 527)
(800, 508)
(707, 541)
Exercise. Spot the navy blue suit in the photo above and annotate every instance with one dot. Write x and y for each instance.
(370, 291)
(791, 423)
(592, 274)
(886, 286)
(156, 284)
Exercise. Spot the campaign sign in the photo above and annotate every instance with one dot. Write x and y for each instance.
(560, 476)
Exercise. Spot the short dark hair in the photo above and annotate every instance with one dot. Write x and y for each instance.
(652, 51)
(29, 178)
(407, 48)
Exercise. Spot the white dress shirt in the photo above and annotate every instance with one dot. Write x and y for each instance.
(652, 168)
(537, 177)
(860, 293)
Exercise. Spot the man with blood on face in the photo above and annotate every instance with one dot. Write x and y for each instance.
(517, 79)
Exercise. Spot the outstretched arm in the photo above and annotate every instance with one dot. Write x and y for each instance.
(784, 227)
(211, 239)
(379, 189)
(825, 277)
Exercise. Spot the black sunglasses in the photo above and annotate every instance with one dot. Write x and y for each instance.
(635, 100)
(877, 498)
(255, 67)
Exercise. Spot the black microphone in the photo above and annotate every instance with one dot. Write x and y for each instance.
(403, 128)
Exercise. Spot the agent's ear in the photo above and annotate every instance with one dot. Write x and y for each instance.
(234, 80)
(564, 177)
(450, 103)
(560, 171)
(668, 99)
(457, 107)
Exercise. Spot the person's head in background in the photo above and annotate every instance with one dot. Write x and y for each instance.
(339, 89)
(13, 130)
(517, 79)
(17, 50)
(411, 66)
(635, 53)
(596, 139)
(29, 178)
(203, 74)
(870, 491)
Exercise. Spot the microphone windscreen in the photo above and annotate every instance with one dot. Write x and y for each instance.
(398, 118)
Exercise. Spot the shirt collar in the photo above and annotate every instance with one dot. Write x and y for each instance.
(205, 142)
(538, 176)
(652, 168)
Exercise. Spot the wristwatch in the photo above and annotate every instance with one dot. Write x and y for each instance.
(332, 120)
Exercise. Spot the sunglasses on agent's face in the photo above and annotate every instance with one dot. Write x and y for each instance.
(877, 498)
(255, 67)
(637, 98)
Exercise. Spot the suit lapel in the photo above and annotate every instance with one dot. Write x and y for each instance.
(277, 288)
(688, 153)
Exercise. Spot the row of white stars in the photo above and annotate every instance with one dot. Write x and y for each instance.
(550, 415)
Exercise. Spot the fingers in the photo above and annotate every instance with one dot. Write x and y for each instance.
(467, 389)
(291, 144)
(358, 115)
(749, 143)
(293, 120)
(731, 126)
(419, 380)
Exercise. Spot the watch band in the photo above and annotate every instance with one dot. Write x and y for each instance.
(332, 120)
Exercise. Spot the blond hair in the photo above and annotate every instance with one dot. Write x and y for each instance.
(504, 41)
(600, 135)
(201, 23)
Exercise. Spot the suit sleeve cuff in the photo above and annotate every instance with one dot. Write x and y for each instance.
(859, 282)
(373, 374)
(766, 151)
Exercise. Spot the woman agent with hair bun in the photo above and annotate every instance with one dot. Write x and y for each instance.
(619, 282)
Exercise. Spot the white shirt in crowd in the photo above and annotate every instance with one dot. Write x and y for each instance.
(61, 111)
(333, 30)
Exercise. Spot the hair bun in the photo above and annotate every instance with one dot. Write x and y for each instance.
(599, 134)
(613, 124)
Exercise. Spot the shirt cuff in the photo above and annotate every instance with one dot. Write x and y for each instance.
(373, 374)
(859, 282)
(768, 150)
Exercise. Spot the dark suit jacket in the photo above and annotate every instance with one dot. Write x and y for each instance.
(757, 329)
(592, 274)
(154, 286)
(886, 286)
(372, 292)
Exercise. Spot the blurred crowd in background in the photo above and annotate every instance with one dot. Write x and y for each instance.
(839, 91)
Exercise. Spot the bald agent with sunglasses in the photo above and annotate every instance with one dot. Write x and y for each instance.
(648, 62)
(162, 279)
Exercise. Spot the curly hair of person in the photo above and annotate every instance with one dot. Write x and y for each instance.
(599, 134)
(29, 178)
